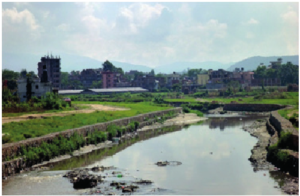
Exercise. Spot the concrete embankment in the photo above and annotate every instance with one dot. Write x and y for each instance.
(14, 149)
(252, 107)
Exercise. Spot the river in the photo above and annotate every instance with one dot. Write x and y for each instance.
(214, 157)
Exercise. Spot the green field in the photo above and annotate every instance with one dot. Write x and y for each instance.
(292, 99)
(39, 127)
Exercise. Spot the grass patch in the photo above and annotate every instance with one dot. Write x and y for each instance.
(40, 127)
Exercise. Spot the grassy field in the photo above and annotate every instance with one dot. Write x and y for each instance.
(39, 127)
(45, 111)
(292, 98)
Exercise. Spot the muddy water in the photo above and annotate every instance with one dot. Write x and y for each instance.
(214, 158)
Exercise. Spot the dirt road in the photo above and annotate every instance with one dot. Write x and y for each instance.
(93, 108)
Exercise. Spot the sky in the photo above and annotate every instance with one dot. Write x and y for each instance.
(152, 33)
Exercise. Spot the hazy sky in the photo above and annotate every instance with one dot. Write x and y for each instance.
(152, 33)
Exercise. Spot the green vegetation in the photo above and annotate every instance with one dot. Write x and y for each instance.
(49, 101)
(40, 127)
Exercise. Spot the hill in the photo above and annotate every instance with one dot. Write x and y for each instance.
(251, 63)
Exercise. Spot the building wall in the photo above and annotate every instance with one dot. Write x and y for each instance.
(202, 79)
(38, 89)
(53, 70)
(108, 79)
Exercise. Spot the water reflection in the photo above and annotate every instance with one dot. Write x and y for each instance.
(216, 121)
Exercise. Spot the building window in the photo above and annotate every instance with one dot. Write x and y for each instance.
(37, 87)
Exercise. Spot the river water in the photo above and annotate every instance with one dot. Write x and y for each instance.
(214, 157)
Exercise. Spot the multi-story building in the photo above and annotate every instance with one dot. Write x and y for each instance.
(108, 79)
(53, 70)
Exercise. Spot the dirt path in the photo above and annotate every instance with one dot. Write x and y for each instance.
(202, 100)
(93, 108)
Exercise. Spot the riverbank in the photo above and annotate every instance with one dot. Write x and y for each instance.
(259, 153)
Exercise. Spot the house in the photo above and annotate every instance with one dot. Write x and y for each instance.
(172, 79)
(202, 79)
(38, 87)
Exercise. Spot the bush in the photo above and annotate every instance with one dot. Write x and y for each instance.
(6, 139)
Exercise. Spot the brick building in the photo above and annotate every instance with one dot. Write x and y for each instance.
(108, 79)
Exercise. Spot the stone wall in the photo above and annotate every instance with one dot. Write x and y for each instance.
(279, 125)
(252, 107)
(13, 149)
(283, 125)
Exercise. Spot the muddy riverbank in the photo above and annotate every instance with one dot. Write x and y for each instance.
(258, 158)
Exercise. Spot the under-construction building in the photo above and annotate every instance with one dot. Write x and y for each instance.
(53, 69)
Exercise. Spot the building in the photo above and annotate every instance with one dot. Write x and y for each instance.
(103, 91)
(220, 76)
(53, 70)
(172, 79)
(108, 79)
(275, 64)
(38, 88)
(202, 79)
(147, 82)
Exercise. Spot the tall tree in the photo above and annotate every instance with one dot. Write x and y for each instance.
(152, 73)
(260, 72)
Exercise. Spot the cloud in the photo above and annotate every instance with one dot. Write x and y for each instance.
(252, 21)
(144, 22)
(63, 27)
(15, 17)
(291, 17)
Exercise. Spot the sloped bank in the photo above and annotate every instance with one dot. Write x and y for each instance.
(11, 151)
(276, 149)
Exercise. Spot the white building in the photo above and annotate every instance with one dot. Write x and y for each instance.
(38, 89)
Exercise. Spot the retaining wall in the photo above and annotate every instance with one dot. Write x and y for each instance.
(283, 125)
(13, 149)
(278, 125)
(252, 107)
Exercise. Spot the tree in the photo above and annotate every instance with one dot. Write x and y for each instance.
(32, 74)
(107, 66)
(288, 74)
(194, 72)
(97, 84)
(152, 73)
(260, 72)
(177, 87)
(9, 75)
(232, 86)
(271, 73)
(23, 73)
(64, 79)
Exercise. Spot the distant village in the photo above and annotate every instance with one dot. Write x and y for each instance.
(111, 79)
